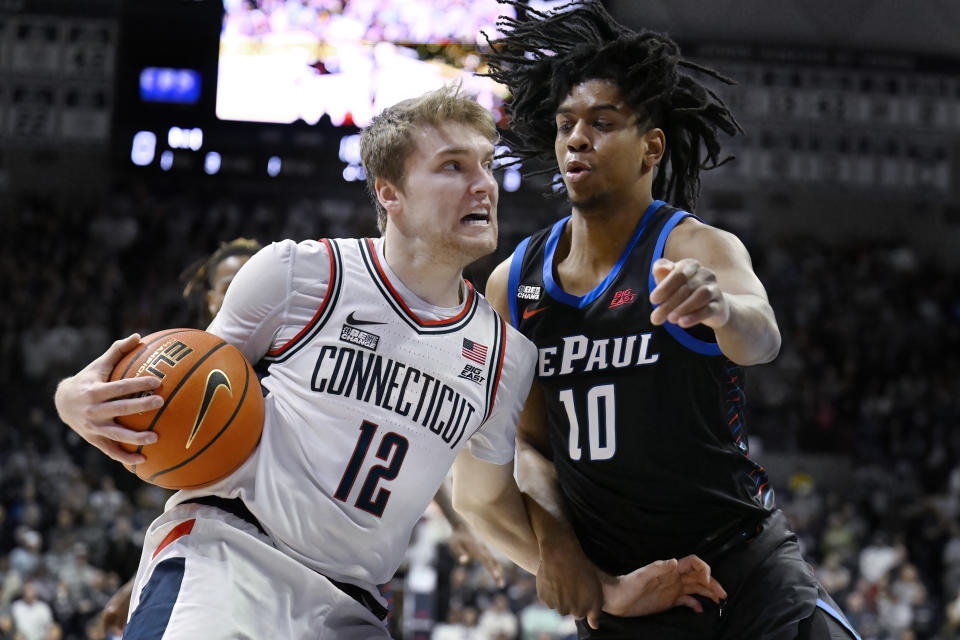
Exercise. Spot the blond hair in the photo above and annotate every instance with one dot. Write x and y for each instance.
(387, 142)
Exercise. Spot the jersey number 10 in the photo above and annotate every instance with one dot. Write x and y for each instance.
(601, 422)
(392, 449)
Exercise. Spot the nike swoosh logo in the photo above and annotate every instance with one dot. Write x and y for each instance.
(527, 313)
(215, 380)
(351, 319)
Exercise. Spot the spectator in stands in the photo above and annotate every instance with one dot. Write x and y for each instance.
(952, 626)
(498, 622)
(834, 577)
(461, 624)
(32, 617)
(26, 556)
(538, 620)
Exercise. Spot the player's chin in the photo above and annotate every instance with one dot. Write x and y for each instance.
(477, 245)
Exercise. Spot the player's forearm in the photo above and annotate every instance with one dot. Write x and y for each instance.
(502, 523)
(751, 335)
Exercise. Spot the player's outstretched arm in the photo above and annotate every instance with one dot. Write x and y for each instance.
(89, 404)
(706, 276)
(464, 544)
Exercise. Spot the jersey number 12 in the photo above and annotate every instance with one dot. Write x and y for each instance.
(392, 449)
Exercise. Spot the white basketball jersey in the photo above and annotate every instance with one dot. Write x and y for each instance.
(372, 392)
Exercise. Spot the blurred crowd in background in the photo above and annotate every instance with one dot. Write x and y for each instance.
(869, 373)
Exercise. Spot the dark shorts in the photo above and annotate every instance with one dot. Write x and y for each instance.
(772, 595)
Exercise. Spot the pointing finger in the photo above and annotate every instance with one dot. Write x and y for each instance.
(661, 269)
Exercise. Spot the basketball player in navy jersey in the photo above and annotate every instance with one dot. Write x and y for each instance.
(643, 316)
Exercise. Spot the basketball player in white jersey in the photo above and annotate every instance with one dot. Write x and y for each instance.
(385, 368)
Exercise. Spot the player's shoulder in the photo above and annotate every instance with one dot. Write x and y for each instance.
(305, 248)
(518, 346)
(288, 250)
(304, 253)
(293, 265)
(692, 235)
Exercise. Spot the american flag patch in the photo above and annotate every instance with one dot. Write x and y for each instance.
(474, 351)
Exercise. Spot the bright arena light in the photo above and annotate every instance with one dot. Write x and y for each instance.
(175, 137)
(511, 180)
(195, 138)
(144, 148)
(211, 163)
(166, 160)
(273, 166)
(350, 149)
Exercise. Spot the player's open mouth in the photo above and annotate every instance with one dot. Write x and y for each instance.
(576, 169)
(476, 218)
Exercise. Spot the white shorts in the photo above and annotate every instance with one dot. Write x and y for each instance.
(208, 574)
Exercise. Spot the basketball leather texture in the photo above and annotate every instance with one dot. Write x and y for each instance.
(212, 415)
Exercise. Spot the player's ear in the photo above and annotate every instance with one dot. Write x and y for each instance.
(654, 144)
(388, 195)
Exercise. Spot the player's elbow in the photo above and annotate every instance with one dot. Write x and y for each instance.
(768, 346)
(757, 352)
(754, 339)
(774, 349)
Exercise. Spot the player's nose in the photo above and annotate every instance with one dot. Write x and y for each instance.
(578, 140)
(484, 182)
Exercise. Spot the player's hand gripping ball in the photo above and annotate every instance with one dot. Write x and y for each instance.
(212, 415)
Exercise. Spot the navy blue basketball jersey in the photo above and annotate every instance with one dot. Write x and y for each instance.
(645, 421)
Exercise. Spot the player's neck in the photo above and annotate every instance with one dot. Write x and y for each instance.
(593, 241)
(428, 275)
(599, 235)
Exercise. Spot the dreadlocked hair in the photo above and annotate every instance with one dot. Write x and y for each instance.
(542, 56)
(200, 275)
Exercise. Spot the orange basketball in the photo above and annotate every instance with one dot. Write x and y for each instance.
(212, 414)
